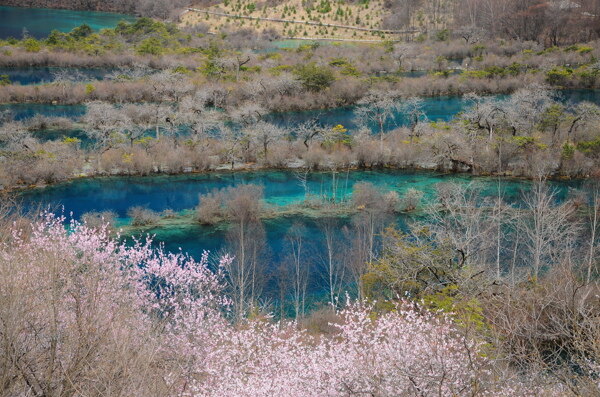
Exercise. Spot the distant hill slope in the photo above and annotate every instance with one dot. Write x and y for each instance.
(359, 20)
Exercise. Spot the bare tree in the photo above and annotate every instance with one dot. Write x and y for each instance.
(203, 121)
(593, 225)
(64, 78)
(300, 267)
(308, 131)
(302, 178)
(525, 108)
(134, 72)
(460, 217)
(484, 113)
(247, 241)
(248, 114)
(104, 123)
(377, 107)
(169, 86)
(334, 271)
(139, 119)
(14, 136)
(264, 134)
(548, 229)
(584, 115)
(412, 108)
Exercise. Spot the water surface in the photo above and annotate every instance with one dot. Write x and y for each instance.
(443, 108)
(39, 22)
(182, 192)
(40, 75)
(22, 111)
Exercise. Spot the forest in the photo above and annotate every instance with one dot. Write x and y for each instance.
(194, 204)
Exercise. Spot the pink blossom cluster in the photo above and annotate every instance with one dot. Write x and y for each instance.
(180, 307)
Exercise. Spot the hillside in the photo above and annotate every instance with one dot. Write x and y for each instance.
(373, 20)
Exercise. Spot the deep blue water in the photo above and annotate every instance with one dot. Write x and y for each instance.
(38, 75)
(39, 22)
(53, 135)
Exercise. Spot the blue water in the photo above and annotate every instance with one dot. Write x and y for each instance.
(53, 135)
(442, 108)
(21, 111)
(39, 75)
(39, 22)
(182, 192)
(436, 109)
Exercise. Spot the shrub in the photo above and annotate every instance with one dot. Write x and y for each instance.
(411, 199)
(314, 78)
(97, 220)
(141, 216)
(32, 45)
(210, 209)
(81, 31)
(150, 46)
(442, 35)
(168, 214)
(558, 75)
(89, 89)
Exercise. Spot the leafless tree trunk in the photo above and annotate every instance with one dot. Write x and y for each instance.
(300, 268)
(334, 271)
(547, 228)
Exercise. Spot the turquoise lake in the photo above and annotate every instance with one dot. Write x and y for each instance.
(39, 22)
(181, 192)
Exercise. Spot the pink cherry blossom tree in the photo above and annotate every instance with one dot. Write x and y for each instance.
(83, 314)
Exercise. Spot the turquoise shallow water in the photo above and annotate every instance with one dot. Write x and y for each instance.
(182, 192)
(39, 22)
(280, 188)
